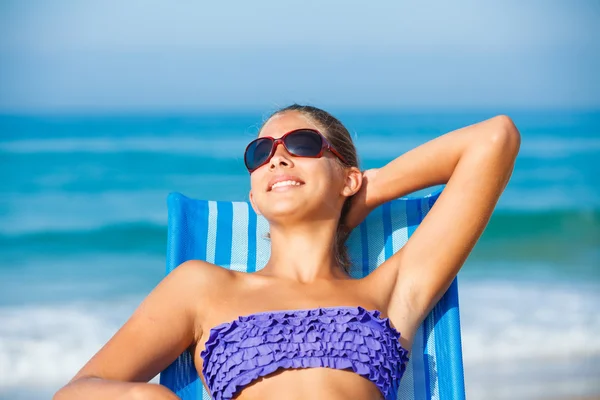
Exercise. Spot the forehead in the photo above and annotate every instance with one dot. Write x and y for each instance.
(280, 124)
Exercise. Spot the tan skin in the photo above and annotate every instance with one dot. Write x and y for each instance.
(474, 162)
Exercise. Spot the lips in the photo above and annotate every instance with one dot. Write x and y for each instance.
(284, 181)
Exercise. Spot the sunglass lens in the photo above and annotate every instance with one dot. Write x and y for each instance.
(257, 153)
(304, 143)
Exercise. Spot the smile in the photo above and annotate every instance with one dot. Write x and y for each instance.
(285, 184)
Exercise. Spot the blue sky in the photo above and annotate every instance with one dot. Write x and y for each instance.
(183, 55)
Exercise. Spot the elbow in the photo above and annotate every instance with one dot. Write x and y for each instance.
(505, 135)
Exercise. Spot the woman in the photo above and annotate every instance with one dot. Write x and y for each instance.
(306, 182)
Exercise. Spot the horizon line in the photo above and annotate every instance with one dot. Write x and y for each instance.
(252, 110)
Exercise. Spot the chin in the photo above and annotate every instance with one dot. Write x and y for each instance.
(287, 208)
(291, 205)
(284, 209)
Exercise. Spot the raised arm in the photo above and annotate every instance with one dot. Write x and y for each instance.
(475, 163)
(162, 327)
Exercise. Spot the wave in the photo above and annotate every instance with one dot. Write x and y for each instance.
(583, 225)
(509, 321)
(125, 237)
(369, 146)
(537, 147)
(554, 147)
(88, 204)
(49, 344)
(567, 238)
(500, 322)
(192, 145)
(568, 226)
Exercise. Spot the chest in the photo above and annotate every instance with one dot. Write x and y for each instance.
(335, 337)
(255, 296)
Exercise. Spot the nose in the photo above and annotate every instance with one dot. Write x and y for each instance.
(281, 156)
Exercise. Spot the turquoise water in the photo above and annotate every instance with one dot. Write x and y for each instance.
(83, 224)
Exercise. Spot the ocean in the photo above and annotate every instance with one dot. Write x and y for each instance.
(83, 237)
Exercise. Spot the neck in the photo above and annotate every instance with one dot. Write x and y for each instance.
(304, 253)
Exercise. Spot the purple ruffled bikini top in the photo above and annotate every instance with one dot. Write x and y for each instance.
(256, 345)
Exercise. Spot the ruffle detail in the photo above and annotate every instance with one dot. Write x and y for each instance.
(252, 346)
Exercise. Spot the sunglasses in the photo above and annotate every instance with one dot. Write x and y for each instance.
(300, 143)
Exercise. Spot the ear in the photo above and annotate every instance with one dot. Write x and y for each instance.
(253, 205)
(353, 182)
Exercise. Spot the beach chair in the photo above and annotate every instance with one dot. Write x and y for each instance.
(231, 235)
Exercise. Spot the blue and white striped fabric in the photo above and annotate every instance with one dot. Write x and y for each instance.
(231, 235)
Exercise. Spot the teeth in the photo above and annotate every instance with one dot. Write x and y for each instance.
(285, 183)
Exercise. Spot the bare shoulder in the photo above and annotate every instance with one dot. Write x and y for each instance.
(166, 323)
(203, 279)
(200, 272)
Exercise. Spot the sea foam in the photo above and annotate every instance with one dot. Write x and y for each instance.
(43, 346)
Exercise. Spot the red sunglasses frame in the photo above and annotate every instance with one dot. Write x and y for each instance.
(325, 145)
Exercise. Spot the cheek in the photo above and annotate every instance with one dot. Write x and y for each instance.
(258, 201)
(255, 188)
(329, 179)
(333, 172)
(257, 179)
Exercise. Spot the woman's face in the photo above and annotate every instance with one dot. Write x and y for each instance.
(308, 188)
